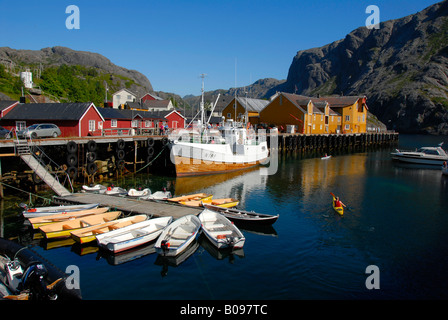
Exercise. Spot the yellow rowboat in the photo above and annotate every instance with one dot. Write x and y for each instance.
(89, 234)
(339, 210)
(38, 222)
(192, 197)
(63, 229)
(223, 203)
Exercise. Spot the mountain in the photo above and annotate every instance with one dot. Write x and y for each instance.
(402, 68)
(92, 65)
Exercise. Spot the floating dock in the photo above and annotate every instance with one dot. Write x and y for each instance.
(133, 206)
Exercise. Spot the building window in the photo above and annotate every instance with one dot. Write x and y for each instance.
(347, 118)
(148, 123)
(100, 125)
(118, 97)
(91, 125)
(129, 97)
(229, 116)
(134, 123)
(113, 123)
(20, 125)
(347, 127)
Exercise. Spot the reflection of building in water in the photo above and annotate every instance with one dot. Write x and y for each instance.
(226, 185)
(323, 173)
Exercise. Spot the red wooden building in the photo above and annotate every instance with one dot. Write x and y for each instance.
(74, 119)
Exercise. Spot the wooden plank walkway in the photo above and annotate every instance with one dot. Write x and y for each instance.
(134, 206)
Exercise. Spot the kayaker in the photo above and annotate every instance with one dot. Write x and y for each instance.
(338, 203)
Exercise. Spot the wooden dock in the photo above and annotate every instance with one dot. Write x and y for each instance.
(128, 205)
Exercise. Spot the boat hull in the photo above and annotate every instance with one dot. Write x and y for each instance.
(193, 167)
(220, 231)
(244, 217)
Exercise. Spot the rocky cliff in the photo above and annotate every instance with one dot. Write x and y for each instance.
(401, 67)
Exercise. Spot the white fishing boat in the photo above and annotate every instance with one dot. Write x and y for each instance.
(45, 211)
(424, 155)
(134, 235)
(139, 193)
(204, 150)
(98, 188)
(178, 235)
(220, 230)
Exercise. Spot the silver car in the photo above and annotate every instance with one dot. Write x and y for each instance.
(40, 131)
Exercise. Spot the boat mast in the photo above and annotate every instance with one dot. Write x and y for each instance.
(202, 101)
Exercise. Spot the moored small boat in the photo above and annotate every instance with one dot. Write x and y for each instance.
(220, 230)
(191, 197)
(44, 211)
(89, 234)
(134, 235)
(98, 188)
(116, 191)
(63, 229)
(44, 220)
(139, 193)
(242, 216)
(158, 195)
(176, 237)
(223, 203)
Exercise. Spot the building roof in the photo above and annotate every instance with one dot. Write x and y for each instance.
(110, 113)
(4, 104)
(124, 89)
(150, 104)
(152, 95)
(48, 111)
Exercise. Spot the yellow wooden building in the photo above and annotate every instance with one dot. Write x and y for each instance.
(236, 109)
(310, 115)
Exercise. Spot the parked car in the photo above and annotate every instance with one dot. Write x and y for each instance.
(4, 133)
(40, 130)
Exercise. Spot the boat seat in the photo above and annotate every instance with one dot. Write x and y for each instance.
(213, 225)
(217, 233)
(139, 233)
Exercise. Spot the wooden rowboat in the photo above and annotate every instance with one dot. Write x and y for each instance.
(339, 210)
(134, 235)
(45, 211)
(63, 229)
(178, 235)
(223, 203)
(221, 231)
(89, 234)
(244, 217)
(44, 220)
(192, 197)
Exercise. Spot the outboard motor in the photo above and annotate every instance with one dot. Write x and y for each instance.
(33, 280)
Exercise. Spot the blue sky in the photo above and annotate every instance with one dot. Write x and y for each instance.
(172, 41)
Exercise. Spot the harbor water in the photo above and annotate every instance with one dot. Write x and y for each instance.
(396, 219)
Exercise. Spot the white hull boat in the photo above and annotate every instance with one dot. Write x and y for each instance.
(134, 235)
(98, 188)
(116, 191)
(220, 230)
(139, 193)
(158, 195)
(45, 211)
(424, 155)
(178, 235)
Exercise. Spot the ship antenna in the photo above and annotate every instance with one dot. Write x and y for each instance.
(202, 75)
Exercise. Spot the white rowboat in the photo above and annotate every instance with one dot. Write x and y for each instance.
(220, 230)
(134, 235)
(178, 235)
(45, 211)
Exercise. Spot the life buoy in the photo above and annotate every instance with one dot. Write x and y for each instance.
(150, 142)
(164, 141)
(91, 145)
(150, 151)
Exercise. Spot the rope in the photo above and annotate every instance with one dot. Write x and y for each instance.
(149, 163)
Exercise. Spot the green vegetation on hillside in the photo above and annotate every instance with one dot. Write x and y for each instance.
(9, 84)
